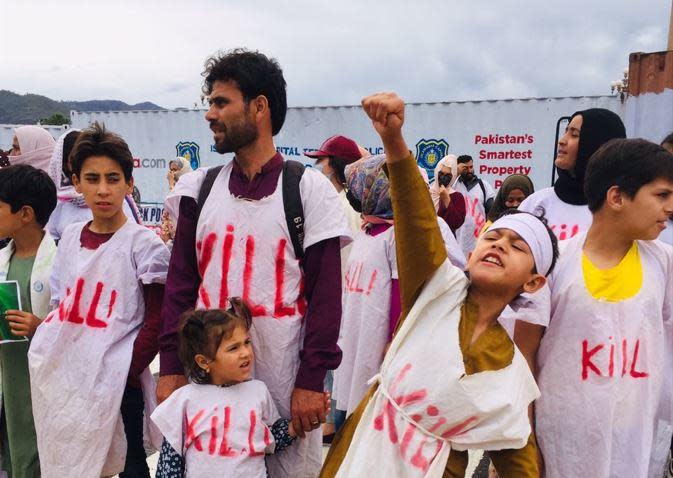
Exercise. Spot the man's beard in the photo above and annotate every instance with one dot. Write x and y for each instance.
(467, 177)
(236, 136)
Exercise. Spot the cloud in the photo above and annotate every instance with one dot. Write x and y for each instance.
(331, 52)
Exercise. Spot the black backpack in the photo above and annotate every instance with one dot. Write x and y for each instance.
(294, 211)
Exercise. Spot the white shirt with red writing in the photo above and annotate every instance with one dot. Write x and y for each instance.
(244, 249)
(475, 214)
(604, 371)
(426, 405)
(220, 431)
(566, 220)
(366, 310)
(80, 355)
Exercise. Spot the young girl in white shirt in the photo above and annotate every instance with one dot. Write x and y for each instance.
(223, 422)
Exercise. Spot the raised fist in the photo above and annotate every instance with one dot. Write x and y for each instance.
(386, 110)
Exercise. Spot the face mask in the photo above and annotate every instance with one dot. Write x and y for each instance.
(444, 179)
(321, 168)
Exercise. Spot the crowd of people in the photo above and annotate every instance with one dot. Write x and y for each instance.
(355, 303)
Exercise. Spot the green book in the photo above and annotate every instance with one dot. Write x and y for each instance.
(10, 299)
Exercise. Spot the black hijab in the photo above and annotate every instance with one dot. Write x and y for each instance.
(598, 127)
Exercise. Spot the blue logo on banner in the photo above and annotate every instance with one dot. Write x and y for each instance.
(429, 152)
(190, 151)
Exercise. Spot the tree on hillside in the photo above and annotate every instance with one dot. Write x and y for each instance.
(55, 119)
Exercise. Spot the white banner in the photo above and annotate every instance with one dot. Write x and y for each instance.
(503, 136)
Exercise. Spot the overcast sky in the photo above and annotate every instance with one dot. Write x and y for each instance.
(332, 52)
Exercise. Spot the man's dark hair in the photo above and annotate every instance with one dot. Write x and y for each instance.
(540, 214)
(628, 164)
(97, 141)
(464, 158)
(668, 139)
(23, 185)
(255, 74)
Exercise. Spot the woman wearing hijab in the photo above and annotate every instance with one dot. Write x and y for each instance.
(32, 145)
(565, 205)
(449, 204)
(513, 191)
(70, 207)
(177, 168)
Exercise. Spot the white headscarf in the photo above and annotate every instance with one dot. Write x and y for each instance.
(534, 233)
(65, 191)
(36, 146)
(450, 161)
(185, 167)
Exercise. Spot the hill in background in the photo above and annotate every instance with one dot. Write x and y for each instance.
(29, 108)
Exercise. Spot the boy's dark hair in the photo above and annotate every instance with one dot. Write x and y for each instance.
(255, 74)
(464, 158)
(628, 164)
(668, 139)
(97, 141)
(554, 241)
(201, 332)
(23, 185)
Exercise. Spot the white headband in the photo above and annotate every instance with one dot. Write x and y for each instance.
(534, 233)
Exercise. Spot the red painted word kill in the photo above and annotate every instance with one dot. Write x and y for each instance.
(355, 283)
(594, 360)
(279, 309)
(471, 208)
(218, 441)
(564, 231)
(387, 418)
(69, 307)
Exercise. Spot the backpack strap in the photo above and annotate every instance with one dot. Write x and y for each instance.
(294, 211)
(206, 186)
(483, 189)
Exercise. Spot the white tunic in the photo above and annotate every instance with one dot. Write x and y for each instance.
(475, 214)
(426, 405)
(80, 355)
(244, 249)
(566, 220)
(604, 370)
(220, 431)
(366, 311)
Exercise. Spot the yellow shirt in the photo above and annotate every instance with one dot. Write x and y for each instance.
(617, 283)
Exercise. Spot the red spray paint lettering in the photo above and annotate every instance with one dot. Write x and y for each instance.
(565, 231)
(194, 432)
(592, 358)
(387, 419)
(70, 311)
(353, 280)
(280, 307)
(474, 209)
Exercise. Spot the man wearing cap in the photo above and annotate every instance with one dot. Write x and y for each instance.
(331, 159)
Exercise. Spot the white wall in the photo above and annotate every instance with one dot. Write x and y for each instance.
(465, 126)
